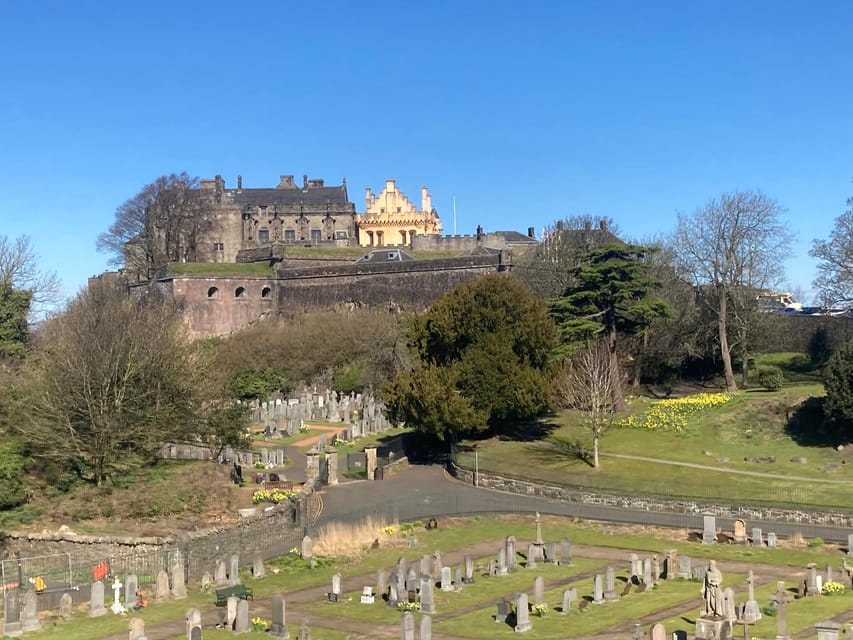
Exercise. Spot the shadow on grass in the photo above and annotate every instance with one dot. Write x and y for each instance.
(526, 431)
(808, 427)
(560, 450)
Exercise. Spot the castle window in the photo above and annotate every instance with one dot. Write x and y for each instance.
(219, 246)
(316, 236)
(399, 209)
(213, 293)
(265, 292)
(382, 210)
(341, 235)
(264, 236)
(240, 292)
(289, 235)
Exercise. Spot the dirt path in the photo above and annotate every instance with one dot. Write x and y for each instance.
(315, 439)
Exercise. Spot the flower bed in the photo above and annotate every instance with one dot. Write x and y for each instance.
(672, 415)
(273, 495)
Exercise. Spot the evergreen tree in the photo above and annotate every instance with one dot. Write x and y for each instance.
(611, 293)
(838, 381)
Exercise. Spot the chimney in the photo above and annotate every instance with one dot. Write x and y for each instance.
(220, 183)
(426, 200)
(304, 180)
(531, 233)
(390, 185)
(285, 182)
(368, 198)
(239, 183)
(603, 225)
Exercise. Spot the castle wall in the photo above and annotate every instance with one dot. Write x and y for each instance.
(219, 306)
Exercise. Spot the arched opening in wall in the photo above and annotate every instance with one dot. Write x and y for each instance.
(265, 292)
(213, 293)
(240, 292)
(403, 237)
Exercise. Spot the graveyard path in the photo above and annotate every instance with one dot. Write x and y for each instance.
(330, 431)
(726, 470)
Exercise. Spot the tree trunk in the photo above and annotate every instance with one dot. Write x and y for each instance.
(725, 350)
(615, 377)
(595, 438)
(744, 354)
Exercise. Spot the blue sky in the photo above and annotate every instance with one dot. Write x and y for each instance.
(525, 112)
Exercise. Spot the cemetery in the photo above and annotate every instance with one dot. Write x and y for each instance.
(487, 577)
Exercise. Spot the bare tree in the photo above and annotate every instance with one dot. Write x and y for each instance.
(112, 378)
(835, 269)
(733, 246)
(162, 223)
(547, 269)
(19, 270)
(588, 388)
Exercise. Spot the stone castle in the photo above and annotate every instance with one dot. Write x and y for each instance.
(269, 224)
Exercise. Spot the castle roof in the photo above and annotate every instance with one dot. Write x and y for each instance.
(311, 195)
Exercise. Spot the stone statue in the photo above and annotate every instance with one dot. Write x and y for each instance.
(712, 591)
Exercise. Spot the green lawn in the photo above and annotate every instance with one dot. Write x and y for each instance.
(752, 424)
(247, 269)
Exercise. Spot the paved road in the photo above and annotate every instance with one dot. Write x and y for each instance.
(421, 491)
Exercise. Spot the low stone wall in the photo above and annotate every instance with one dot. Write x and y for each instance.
(653, 504)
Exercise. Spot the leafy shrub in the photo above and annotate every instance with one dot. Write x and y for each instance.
(349, 378)
(815, 542)
(257, 383)
(769, 611)
(14, 490)
(771, 378)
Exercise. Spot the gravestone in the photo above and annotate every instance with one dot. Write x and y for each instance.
(509, 545)
(206, 581)
(381, 582)
(116, 606)
(504, 609)
(426, 564)
(492, 568)
(812, 588)
(729, 612)
(550, 551)
(370, 452)
(655, 570)
(829, 576)
(565, 552)
(771, 540)
(522, 614)
(367, 595)
(29, 612)
(393, 597)
(193, 618)
(231, 612)
(436, 565)
(502, 566)
(610, 585)
(179, 587)
(307, 548)
(220, 574)
(709, 528)
(531, 556)
(670, 570)
(446, 579)
(278, 624)
(336, 584)
(647, 572)
(469, 570)
(457, 577)
(627, 589)
(828, 630)
(136, 627)
(636, 566)
(850, 544)
(757, 540)
(407, 626)
(658, 632)
(426, 628)
(96, 600)
(131, 586)
(684, 570)
(781, 599)
(412, 580)
(751, 610)
(427, 595)
(740, 532)
(258, 568)
(65, 606)
(568, 600)
(234, 570)
(598, 589)
(161, 589)
(332, 467)
(304, 631)
(241, 622)
(539, 590)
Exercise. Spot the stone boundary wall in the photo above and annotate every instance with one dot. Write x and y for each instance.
(652, 504)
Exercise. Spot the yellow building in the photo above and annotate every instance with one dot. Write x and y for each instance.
(390, 218)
